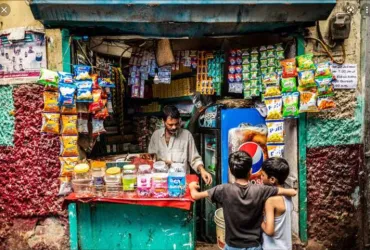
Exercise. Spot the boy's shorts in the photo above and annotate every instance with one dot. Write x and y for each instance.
(248, 248)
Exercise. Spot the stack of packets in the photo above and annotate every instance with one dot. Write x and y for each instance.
(68, 102)
(209, 72)
(246, 67)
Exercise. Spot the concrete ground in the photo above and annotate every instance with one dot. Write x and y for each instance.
(206, 246)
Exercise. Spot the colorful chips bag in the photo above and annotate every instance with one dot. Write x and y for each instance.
(69, 125)
(50, 123)
(69, 110)
(306, 78)
(67, 94)
(274, 107)
(275, 150)
(51, 102)
(290, 105)
(82, 72)
(289, 68)
(305, 62)
(326, 102)
(65, 77)
(308, 98)
(106, 83)
(83, 123)
(270, 79)
(48, 78)
(84, 89)
(68, 146)
(272, 90)
(67, 165)
(288, 84)
(275, 131)
(98, 127)
(323, 69)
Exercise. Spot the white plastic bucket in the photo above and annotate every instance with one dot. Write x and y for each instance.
(220, 228)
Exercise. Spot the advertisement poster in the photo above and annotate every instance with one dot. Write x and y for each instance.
(21, 60)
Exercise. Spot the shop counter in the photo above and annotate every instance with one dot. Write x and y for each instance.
(132, 223)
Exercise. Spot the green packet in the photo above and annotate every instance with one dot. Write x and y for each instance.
(290, 105)
(289, 84)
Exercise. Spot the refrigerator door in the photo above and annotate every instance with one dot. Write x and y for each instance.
(232, 118)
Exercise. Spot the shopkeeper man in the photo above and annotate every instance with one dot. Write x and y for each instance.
(173, 144)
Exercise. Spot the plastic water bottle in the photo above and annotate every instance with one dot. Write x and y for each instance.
(160, 180)
(144, 181)
(177, 180)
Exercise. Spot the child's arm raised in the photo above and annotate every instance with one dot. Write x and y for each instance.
(195, 194)
(268, 226)
(287, 192)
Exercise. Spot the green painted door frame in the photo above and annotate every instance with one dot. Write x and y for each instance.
(302, 168)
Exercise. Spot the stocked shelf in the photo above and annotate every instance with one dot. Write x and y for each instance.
(164, 100)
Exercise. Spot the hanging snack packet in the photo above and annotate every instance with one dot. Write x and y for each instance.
(67, 165)
(254, 75)
(305, 62)
(246, 60)
(264, 63)
(65, 77)
(270, 79)
(324, 85)
(247, 85)
(66, 94)
(82, 72)
(326, 102)
(279, 47)
(69, 110)
(254, 51)
(308, 98)
(95, 80)
(263, 71)
(245, 52)
(254, 66)
(98, 127)
(51, 102)
(48, 78)
(246, 68)
(271, 62)
(50, 123)
(255, 83)
(289, 84)
(68, 146)
(323, 69)
(106, 83)
(83, 123)
(263, 52)
(280, 55)
(272, 90)
(69, 125)
(306, 78)
(271, 70)
(255, 92)
(247, 94)
(290, 105)
(275, 150)
(275, 131)
(289, 68)
(65, 186)
(274, 107)
(84, 89)
(97, 103)
(102, 114)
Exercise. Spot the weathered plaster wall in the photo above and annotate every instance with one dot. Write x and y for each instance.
(335, 154)
(31, 214)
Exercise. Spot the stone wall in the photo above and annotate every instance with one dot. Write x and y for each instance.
(335, 154)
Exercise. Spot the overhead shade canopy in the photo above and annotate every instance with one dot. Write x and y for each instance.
(179, 18)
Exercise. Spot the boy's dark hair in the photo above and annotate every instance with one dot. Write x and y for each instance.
(240, 164)
(276, 167)
(170, 111)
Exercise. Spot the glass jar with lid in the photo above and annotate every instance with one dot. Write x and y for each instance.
(112, 181)
(129, 179)
(144, 181)
(98, 173)
(160, 180)
(81, 180)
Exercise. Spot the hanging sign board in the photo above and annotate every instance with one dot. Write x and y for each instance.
(21, 59)
(346, 76)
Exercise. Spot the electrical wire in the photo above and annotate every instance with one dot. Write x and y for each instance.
(329, 53)
(319, 34)
(120, 58)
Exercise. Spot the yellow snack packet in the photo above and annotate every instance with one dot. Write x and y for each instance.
(69, 125)
(275, 131)
(274, 107)
(50, 123)
(67, 165)
(51, 102)
(68, 146)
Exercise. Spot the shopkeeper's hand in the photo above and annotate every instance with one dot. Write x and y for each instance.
(207, 177)
(194, 185)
